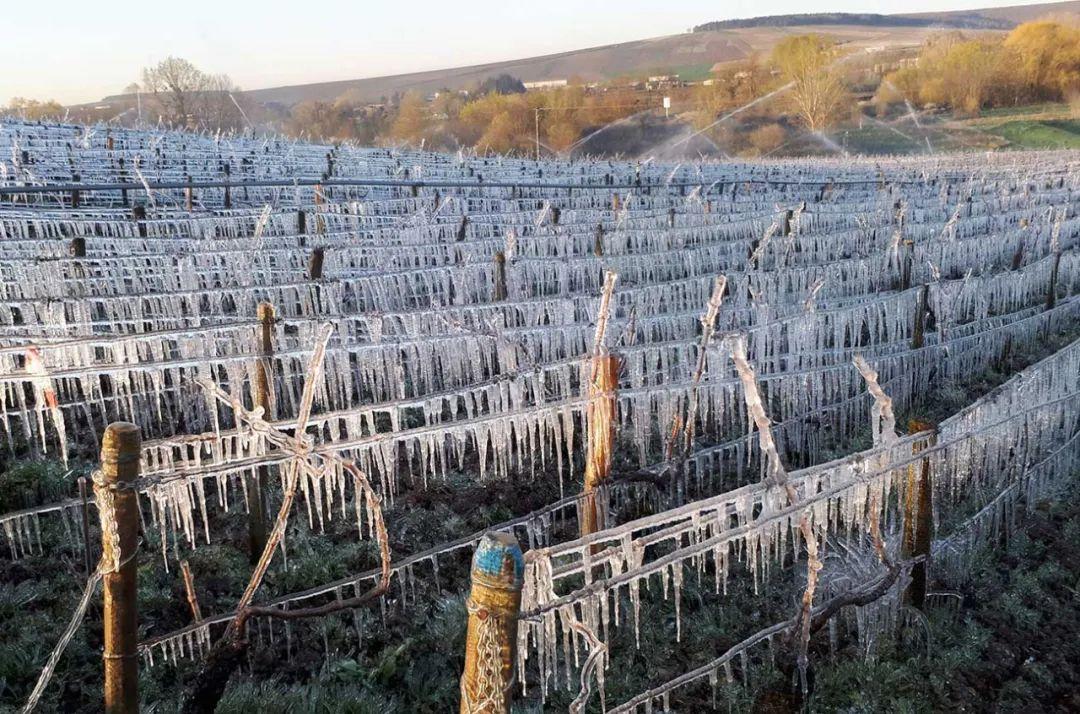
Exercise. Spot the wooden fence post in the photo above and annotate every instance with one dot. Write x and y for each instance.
(918, 337)
(500, 276)
(189, 196)
(262, 398)
(498, 569)
(907, 263)
(600, 417)
(315, 264)
(227, 198)
(121, 450)
(918, 518)
(138, 214)
(1051, 293)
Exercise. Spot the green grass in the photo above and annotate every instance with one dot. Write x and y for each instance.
(1027, 134)
(1029, 110)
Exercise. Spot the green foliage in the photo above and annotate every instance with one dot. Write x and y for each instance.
(271, 696)
(31, 483)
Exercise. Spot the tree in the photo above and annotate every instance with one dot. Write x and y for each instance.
(320, 121)
(768, 137)
(412, 119)
(818, 93)
(190, 98)
(33, 110)
(502, 84)
(1047, 58)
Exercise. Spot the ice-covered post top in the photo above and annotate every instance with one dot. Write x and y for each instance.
(498, 569)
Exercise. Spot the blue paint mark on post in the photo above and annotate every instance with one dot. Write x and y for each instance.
(498, 555)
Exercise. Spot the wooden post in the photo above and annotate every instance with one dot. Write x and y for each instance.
(918, 518)
(500, 276)
(498, 568)
(121, 449)
(907, 263)
(918, 338)
(1051, 293)
(600, 417)
(189, 196)
(189, 590)
(315, 264)
(138, 214)
(598, 241)
(615, 202)
(785, 223)
(262, 398)
(1018, 256)
(228, 196)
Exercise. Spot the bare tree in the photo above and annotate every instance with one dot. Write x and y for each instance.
(190, 98)
(818, 92)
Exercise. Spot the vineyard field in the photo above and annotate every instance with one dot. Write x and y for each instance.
(405, 431)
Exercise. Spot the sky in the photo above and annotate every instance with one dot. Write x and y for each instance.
(74, 51)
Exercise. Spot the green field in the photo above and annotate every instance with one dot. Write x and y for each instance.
(1027, 134)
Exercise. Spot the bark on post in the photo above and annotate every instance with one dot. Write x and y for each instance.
(262, 398)
(500, 276)
(918, 519)
(315, 264)
(494, 601)
(907, 265)
(138, 214)
(120, 452)
(600, 417)
(918, 337)
(1051, 293)
(227, 198)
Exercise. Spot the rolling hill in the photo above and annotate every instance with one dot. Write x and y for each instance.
(688, 54)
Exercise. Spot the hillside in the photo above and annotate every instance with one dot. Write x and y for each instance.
(966, 21)
(688, 54)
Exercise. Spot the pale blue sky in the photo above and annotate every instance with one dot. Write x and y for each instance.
(78, 51)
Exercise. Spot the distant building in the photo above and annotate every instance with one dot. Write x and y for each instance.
(663, 81)
(545, 84)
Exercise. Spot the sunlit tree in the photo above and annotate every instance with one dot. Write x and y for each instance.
(818, 94)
